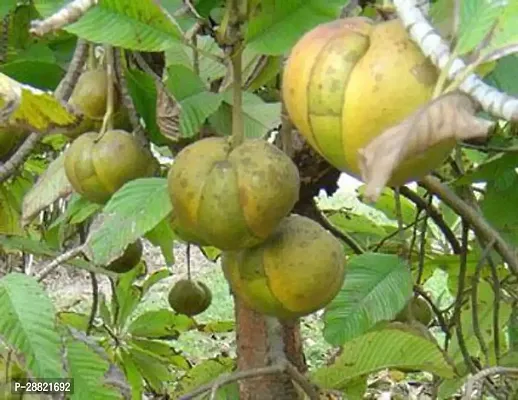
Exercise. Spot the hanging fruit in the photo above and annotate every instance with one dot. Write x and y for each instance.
(97, 168)
(232, 198)
(298, 270)
(347, 81)
(189, 297)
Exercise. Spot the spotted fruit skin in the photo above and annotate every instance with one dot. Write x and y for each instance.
(298, 270)
(97, 169)
(232, 198)
(347, 81)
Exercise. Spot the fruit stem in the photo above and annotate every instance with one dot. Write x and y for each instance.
(188, 257)
(110, 97)
(238, 133)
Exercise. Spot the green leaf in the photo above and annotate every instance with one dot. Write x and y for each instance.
(40, 74)
(276, 26)
(89, 372)
(151, 368)
(477, 17)
(386, 348)
(142, 89)
(506, 31)
(499, 204)
(258, 117)
(354, 223)
(376, 288)
(52, 185)
(160, 324)
(27, 323)
(9, 212)
(163, 236)
(485, 308)
(26, 245)
(132, 373)
(196, 109)
(131, 212)
(7, 6)
(164, 351)
(504, 75)
(386, 203)
(33, 109)
(499, 166)
(135, 25)
(153, 278)
(128, 295)
(204, 372)
(75, 320)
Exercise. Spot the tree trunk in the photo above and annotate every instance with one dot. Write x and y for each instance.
(253, 352)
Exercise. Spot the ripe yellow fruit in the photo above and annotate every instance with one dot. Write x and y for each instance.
(232, 198)
(298, 270)
(189, 297)
(97, 169)
(347, 81)
(128, 260)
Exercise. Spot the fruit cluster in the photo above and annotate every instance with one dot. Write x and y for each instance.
(239, 199)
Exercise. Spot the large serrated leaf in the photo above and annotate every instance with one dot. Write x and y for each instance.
(258, 117)
(9, 213)
(386, 348)
(40, 74)
(132, 211)
(277, 25)
(205, 372)
(477, 17)
(52, 185)
(506, 30)
(152, 369)
(196, 109)
(136, 25)
(28, 323)
(160, 324)
(376, 288)
(89, 372)
(28, 108)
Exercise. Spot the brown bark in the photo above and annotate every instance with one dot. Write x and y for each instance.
(253, 352)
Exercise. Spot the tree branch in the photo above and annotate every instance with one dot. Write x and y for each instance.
(62, 258)
(484, 374)
(438, 51)
(434, 214)
(477, 221)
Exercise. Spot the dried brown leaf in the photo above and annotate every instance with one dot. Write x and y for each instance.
(167, 113)
(447, 118)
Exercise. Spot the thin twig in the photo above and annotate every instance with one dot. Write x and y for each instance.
(440, 318)
(19, 156)
(479, 224)
(95, 303)
(344, 237)
(286, 132)
(484, 374)
(61, 259)
(422, 250)
(127, 100)
(460, 297)
(474, 301)
(66, 86)
(435, 215)
(65, 16)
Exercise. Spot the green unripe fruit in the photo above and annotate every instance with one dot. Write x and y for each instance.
(97, 168)
(416, 309)
(90, 94)
(129, 259)
(189, 297)
(298, 270)
(232, 198)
